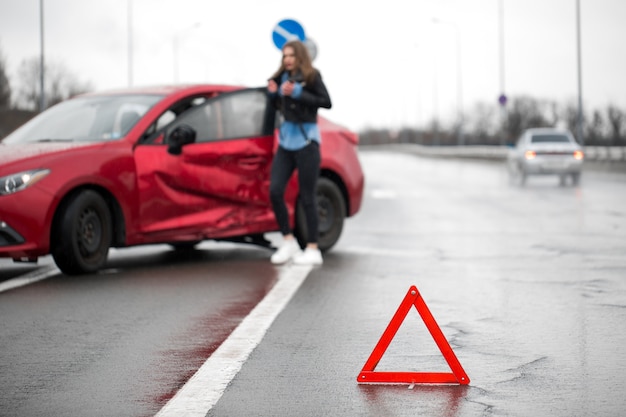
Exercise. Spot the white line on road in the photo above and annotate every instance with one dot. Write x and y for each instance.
(207, 385)
(37, 275)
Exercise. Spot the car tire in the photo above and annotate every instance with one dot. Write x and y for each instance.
(331, 208)
(82, 234)
(576, 178)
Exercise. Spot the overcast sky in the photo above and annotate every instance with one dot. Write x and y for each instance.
(385, 63)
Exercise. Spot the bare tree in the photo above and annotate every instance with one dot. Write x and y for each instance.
(482, 123)
(5, 87)
(523, 113)
(602, 128)
(617, 119)
(60, 84)
(595, 130)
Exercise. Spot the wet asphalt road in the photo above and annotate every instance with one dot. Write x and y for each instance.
(122, 342)
(528, 285)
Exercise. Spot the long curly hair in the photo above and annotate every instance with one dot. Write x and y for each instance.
(303, 61)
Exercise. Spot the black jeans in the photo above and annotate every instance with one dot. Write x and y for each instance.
(307, 162)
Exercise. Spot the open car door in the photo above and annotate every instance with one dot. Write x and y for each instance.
(218, 185)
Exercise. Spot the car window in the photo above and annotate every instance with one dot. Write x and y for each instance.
(550, 138)
(89, 118)
(165, 119)
(154, 133)
(233, 115)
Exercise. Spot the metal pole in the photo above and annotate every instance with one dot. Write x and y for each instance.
(501, 38)
(502, 86)
(130, 43)
(42, 97)
(581, 137)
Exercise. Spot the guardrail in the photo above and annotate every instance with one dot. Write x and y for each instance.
(592, 153)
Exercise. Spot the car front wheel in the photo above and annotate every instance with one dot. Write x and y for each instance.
(331, 209)
(82, 234)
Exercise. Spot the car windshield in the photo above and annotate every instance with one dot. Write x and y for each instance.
(95, 118)
(550, 138)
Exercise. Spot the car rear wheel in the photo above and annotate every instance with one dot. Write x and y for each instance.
(82, 234)
(331, 209)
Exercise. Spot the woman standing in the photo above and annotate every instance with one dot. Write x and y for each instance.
(297, 90)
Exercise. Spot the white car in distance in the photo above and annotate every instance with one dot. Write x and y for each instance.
(545, 151)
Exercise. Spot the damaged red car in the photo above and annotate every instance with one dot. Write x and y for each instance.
(175, 165)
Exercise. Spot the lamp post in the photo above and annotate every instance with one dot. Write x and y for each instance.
(502, 98)
(42, 98)
(459, 79)
(579, 124)
(130, 42)
(175, 46)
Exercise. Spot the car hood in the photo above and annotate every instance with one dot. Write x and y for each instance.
(16, 152)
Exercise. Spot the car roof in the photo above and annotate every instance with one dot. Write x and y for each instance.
(166, 90)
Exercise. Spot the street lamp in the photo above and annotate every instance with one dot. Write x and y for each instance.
(502, 98)
(579, 124)
(130, 43)
(42, 98)
(459, 81)
(175, 45)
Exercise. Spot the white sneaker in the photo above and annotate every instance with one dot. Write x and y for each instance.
(287, 250)
(309, 257)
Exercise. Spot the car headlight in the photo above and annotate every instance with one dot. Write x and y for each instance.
(17, 182)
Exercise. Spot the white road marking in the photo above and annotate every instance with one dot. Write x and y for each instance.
(206, 386)
(29, 278)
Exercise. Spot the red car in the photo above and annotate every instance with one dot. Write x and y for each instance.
(174, 165)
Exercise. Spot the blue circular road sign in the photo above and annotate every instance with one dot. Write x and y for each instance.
(287, 30)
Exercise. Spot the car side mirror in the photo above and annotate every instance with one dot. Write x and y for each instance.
(181, 136)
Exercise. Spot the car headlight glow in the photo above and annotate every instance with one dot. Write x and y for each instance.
(17, 182)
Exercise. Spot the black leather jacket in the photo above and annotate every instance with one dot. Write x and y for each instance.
(304, 108)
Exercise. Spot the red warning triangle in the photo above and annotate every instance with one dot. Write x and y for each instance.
(369, 376)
